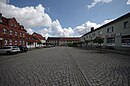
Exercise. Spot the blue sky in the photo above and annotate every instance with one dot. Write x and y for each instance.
(66, 14)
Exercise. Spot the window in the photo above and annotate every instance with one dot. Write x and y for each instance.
(20, 42)
(93, 34)
(99, 32)
(23, 42)
(20, 34)
(16, 34)
(109, 30)
(4, 31)
(10, 42)
(0, 20)
(16, 42)
(89, 36)
(125, 24)
(126, 40)
(12, 24)
(5, 42)
(10, 32)
(23, 35)
(111, 40)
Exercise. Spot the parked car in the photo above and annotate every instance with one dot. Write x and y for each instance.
(9, 50)
(23, 48)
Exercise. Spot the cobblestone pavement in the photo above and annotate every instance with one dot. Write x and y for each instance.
(64, 66)
(103, 69)
(41, 67)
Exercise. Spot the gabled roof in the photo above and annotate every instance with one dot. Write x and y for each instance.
(39, 36)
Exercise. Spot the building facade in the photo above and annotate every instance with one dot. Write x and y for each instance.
(11, 32)
(39, 37)
(116, 33)
(62, 40)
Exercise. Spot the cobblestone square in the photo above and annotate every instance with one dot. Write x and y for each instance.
(64, 66)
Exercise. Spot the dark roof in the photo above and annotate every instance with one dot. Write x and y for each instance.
(112, 22)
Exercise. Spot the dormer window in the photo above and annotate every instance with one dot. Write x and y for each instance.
(4, 31)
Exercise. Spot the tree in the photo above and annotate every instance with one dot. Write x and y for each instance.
(86, 42)
(98, 40)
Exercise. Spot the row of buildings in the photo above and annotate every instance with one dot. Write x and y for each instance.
(62, 41)
(13, 33)
(116, 34)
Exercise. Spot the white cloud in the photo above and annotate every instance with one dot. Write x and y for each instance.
(128, 2)
(84, 28)
(27, 16)
(32, 17)
(98, 1)
(30, 31)
(56, 30)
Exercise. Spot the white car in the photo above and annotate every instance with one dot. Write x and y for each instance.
(9, 50)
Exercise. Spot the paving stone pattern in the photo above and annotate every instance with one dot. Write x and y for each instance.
(64, 66)
(41, 67)
(103, 69)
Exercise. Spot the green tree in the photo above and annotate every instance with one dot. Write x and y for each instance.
(86, 42)
(98, 40)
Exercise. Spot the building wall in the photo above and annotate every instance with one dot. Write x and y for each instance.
(119, 33)
(15, 35)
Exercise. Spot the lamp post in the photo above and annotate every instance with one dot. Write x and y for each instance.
(91, 42)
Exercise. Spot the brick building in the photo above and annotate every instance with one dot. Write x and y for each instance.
(39, 37)
(11, 32)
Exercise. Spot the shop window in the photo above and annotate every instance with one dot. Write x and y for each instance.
(126, 40)
(111, 40)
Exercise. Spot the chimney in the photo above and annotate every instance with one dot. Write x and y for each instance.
(0, 15)
(92, 29)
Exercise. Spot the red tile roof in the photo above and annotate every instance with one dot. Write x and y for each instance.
(39, 36)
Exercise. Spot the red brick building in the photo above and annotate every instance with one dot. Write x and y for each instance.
(39, 37)
(11, 32)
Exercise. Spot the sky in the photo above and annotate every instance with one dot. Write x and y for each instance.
(64, 18)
